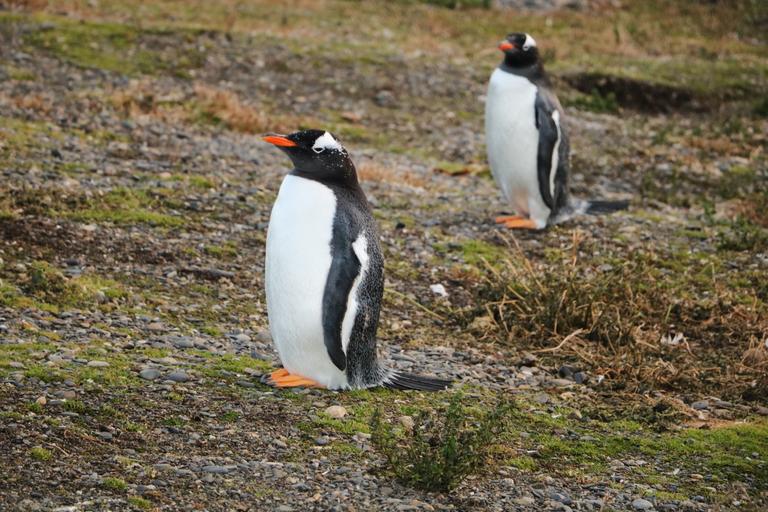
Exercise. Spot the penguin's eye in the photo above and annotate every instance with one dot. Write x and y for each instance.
(317, 149)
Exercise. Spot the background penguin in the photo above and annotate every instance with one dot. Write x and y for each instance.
(324, 273)
(527, 143)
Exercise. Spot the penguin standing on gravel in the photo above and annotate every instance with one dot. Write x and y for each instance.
(527, 142)
(324, 273)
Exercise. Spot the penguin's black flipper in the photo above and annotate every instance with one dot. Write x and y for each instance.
(401, 381)
(345, 266)
(600, 207)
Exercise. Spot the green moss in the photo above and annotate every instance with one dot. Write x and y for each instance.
(139, 502)
(43, 373)
(227, 250)
(478, 253)
(127, 217)
(211, 330)
(76, 406)
(523, 463)
(201, 182)
(230, 417)
(117, 47)
(114, 483)
(40, 453)
(174, 421)
(595, 102)
(19, 73)
(35, 407)
(346, 449)
(221, 365)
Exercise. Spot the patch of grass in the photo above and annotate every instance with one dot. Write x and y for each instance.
(43, 373)
(227, 250)
(114, 483)
(139, 502)
(174, 421)
(595, 102)
(40, 453)
(732, 453)
(35, 408)
(201, 182)
(743, 235)
(476, 252)
(76, 406)
(211, 330)
(219, 366)
(442, 449)
(127, 217)
(523, 463)
(117, 47)
(612, 312)
(230, 417)
(19, 73)
(221, 107)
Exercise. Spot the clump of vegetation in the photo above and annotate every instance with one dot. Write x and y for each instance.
(619, 314)
(743, 235)
(49, 284)
(116, 484)
(40, 453)
(139, 502)
(119, 48)
(596, 102)
(441, 449)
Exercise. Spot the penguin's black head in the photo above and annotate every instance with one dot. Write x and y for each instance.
(519, 50)
(316, 154)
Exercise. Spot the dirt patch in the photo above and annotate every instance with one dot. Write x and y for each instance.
(635, 94)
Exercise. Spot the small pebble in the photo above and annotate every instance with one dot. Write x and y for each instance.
(336, 411)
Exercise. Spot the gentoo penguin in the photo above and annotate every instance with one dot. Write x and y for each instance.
(324, 273)
(527, 142)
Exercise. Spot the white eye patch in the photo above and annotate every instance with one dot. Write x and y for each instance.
(529, 42)
(326, 141)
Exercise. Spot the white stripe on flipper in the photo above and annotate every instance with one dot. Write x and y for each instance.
(555, 156)
(360, 246)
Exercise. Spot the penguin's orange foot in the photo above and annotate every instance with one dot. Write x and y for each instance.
(502, 219)
(282, 379)
(280, 372)
(520, 224)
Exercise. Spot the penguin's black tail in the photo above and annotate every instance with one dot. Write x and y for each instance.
(601, 207)
(400, 380)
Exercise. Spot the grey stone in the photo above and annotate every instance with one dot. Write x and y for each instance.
(218, 470)
(98, 364)
(178, 376)
(642, 504)
(149, 373)
(700, 405)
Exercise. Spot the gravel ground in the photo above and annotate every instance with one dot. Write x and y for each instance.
(142, 389)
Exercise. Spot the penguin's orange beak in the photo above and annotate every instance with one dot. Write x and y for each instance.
(279, 140)
(506, 45)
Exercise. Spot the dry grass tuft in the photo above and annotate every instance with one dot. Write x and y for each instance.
(371, 171)
(635, 323)
(39, 103)
(26, 5)
(227, 108)
(204, 104)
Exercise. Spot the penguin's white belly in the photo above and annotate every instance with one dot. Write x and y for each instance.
(298, 260)
(512, 141)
